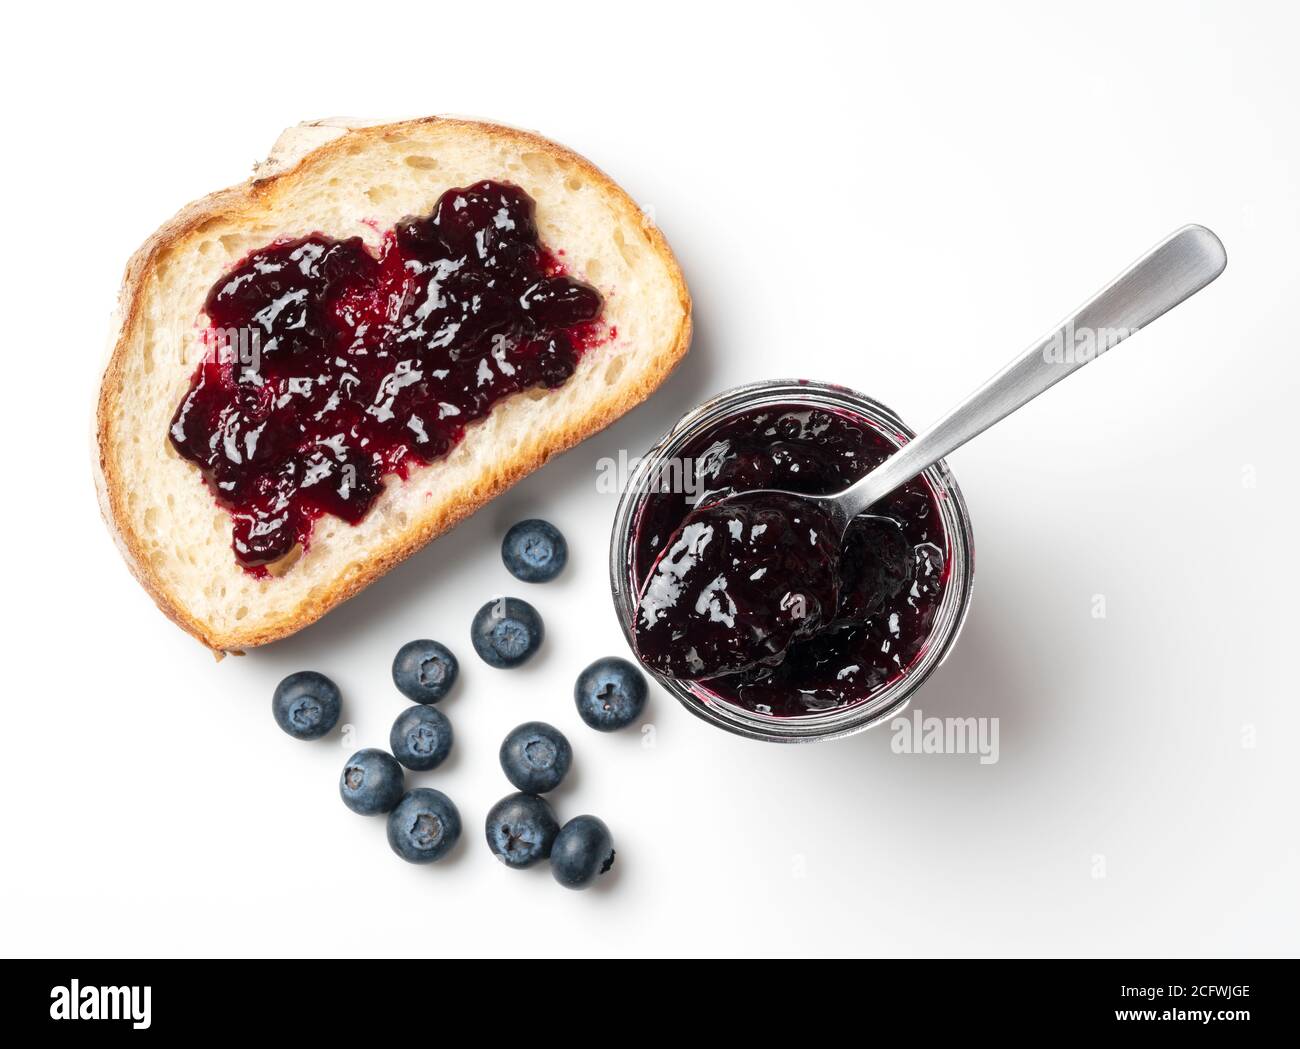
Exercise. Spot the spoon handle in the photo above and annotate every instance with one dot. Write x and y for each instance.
(1175, 269)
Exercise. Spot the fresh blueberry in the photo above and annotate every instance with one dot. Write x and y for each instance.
(534, 551)
(371, 782)
(583, 851)
(424, 671)
(421, 738)
(610, 694)
(521, 829)
(506, 632)
(424, 826)
(306, 704)
(535, 757)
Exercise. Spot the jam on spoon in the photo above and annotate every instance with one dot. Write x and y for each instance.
(736, 584)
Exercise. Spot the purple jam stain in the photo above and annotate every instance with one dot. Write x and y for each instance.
(865, 607)
(330, 368)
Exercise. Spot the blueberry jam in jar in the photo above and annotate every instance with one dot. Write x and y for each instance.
(330, 367)
(877, 611)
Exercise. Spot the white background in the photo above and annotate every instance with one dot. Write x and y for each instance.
(896, 197)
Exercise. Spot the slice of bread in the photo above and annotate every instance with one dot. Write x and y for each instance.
(344, 180)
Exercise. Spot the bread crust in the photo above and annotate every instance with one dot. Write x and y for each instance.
(278, 176)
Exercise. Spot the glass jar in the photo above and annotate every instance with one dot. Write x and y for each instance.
(887, 701)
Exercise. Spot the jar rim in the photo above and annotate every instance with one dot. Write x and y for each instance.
(888, 701)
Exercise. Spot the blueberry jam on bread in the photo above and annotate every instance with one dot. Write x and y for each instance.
(332, 367)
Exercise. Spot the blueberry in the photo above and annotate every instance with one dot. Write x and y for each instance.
(424, 671)
(424, 826)
(421, 738)
(583, 851)
(506, 632)
(306, 704)
(534, 551)
(610, 694)
(521, 829)
(535, 757)
(371, 782)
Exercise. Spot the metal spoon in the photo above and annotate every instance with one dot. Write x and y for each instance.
(1175, 269)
